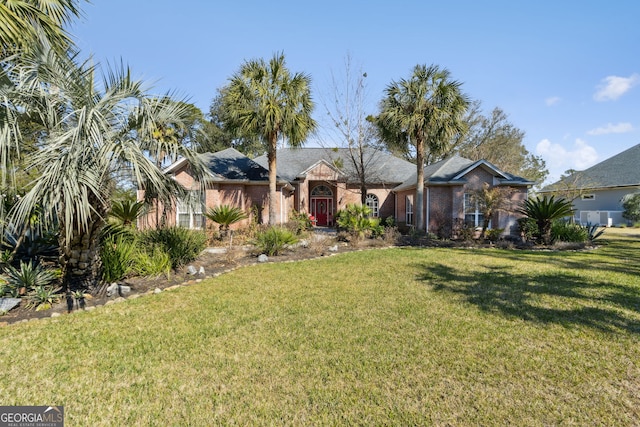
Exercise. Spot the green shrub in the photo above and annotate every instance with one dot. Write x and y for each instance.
(116, 254)
(493, 234)
(355, 220)
(528, 228)
(564, 231)
(274, 240)
(182, 245)
(151, 261)
(300, 222)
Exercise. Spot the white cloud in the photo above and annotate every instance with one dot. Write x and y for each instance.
(553, 100)
(613, 87)
(611, 128)
(560, 159)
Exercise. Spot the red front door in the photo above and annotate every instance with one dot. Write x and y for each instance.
(322, 210)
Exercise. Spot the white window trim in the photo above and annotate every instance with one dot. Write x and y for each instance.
(193, 210)
(477, 214)
(375, 209)
(408, 210)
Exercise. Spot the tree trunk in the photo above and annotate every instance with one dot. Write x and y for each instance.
(273, 145)
(80, 259)
(420, 184)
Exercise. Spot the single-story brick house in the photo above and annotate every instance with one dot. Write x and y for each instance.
(597, 192)
(321, 181)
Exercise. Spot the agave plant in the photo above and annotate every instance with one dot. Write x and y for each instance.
(28, 276)
(544, 211)
(43, 297)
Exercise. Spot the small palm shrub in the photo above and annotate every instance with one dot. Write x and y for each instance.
(544, 211)
(116, 254)
(225, 216)
(594, 232)
(354, 219)
(126, 212)
(182, 245)
(27, 277)
(274, 240)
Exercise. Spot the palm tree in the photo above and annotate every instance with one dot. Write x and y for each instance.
(265, 100)
(25, 23)
(92, 130)
(544, 211)
(425, 112)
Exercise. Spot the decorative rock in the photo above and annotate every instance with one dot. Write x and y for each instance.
(134, 296)
(7, 304)
(157, 290)
(333, 248)
(116, 289)
(93, 307)
(170, 288)
(263, 258)
(191, 270)
(56, 314)
(201, 271)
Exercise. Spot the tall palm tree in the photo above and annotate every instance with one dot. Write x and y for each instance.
(92, 129)
(266, 100)
(24, 23)
(424, 111)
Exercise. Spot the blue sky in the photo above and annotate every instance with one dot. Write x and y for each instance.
(566, 72)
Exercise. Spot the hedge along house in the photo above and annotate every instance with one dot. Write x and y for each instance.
(320, 182)
(449, 202)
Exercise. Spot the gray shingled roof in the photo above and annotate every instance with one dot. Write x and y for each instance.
(446, 172)
(230, 164)
(621, 170)
(382, 168)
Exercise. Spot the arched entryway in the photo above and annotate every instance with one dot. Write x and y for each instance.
(322, 205)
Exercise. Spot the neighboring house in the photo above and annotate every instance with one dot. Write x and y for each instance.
(597, 192)
(320, 182)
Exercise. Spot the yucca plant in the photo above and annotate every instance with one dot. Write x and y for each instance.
(26, 277)
(43, 297)
(544, 211)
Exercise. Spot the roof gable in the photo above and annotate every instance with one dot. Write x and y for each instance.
(380, 167)
(453, 170)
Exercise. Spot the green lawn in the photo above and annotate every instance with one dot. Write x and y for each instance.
(383, 337)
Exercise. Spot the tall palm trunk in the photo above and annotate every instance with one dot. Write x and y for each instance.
(80, 259)
(420, 184)
(273, 176)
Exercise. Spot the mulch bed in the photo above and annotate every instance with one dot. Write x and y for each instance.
(217, 263)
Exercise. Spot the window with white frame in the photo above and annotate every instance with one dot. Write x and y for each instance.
(472, 214)
(409, 209)
(373, 203)
(189, 212)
